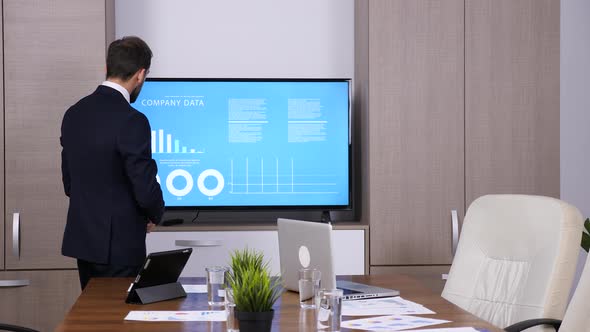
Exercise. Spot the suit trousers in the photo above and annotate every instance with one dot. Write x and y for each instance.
(88, 270)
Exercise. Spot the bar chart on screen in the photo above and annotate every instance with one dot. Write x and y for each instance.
(163, 142)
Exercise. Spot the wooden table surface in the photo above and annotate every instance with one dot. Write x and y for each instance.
(102, 307)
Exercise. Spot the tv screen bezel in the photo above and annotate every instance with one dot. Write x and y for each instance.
(343, 207)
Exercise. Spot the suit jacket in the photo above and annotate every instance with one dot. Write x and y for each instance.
(110, 176)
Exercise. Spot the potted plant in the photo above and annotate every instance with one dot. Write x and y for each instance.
(586, 235)
(254, 290)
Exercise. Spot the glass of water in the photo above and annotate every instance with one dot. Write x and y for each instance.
(329, 311)
(215, 285)
(230, 310)
(309, 285)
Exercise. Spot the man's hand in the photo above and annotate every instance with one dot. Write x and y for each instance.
(150, 226)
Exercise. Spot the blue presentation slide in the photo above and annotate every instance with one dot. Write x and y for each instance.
(249, 143)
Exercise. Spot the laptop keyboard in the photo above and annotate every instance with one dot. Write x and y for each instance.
(348, 291)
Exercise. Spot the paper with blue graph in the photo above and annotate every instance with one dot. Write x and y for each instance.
(383, 306)
(391, 323)
(449, 329)
(177, 316)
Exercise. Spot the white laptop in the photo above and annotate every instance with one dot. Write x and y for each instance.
(309, 244)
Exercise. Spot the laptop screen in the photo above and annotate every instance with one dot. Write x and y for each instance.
(305, 244)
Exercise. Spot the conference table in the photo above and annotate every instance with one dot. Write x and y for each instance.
(102, 307)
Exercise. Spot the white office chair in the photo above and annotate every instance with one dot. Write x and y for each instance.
(576, 317)
(516, 258)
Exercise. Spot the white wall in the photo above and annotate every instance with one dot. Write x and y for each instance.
(244, 39)
(575, 106)
(236, 38)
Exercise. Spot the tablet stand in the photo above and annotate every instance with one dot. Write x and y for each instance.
(157, 293)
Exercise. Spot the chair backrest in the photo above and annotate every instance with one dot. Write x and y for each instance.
(516, 258)
(14, 328)
(576, 317)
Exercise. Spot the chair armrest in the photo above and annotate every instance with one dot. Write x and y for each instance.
(520, 326)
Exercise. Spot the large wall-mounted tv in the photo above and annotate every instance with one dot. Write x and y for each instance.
(250, 143)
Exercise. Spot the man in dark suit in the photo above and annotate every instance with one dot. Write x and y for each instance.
(108, 171)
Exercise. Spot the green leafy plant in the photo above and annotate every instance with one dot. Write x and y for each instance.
(254, 289)
(243, 260)
(586, 235)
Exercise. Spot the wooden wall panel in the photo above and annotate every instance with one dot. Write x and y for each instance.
(512, 97)
(42, 304)
(54, 55)
(416, 128)
(361, 108)
(2, 219)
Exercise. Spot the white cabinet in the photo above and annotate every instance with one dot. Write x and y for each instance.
(349, 252)
(215, 247)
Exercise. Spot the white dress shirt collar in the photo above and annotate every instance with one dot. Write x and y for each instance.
(117, 87)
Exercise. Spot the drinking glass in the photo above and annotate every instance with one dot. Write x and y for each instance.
(215, 285)
(329, 311)
(230, 309)
(309, 285)
(307, 320)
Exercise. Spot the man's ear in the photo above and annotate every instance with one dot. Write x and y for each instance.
(142, 73)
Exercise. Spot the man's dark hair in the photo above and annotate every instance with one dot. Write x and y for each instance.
(126, 56)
